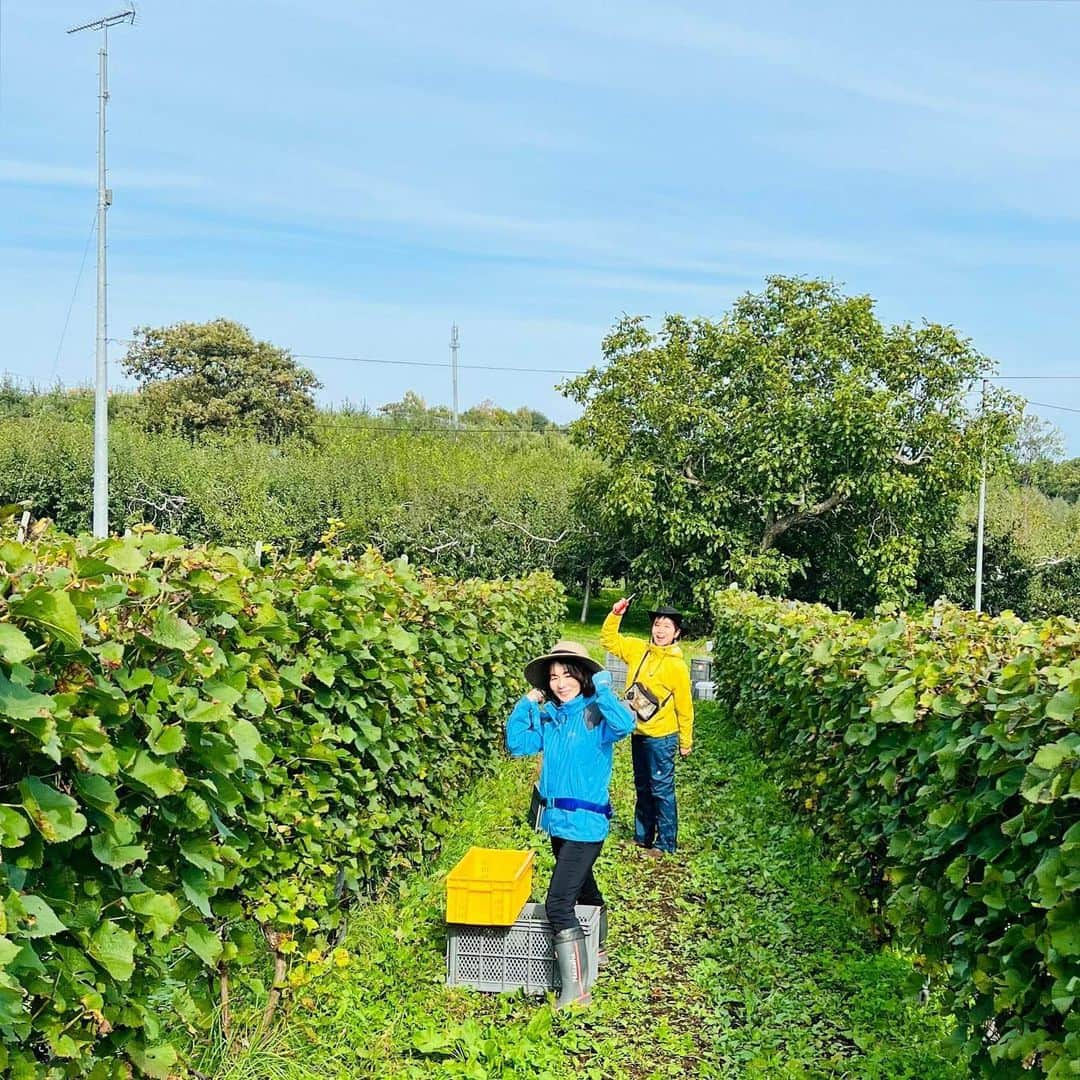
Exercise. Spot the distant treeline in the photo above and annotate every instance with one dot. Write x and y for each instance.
(675, 479)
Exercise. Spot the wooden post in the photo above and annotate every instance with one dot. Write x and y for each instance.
(24, 524)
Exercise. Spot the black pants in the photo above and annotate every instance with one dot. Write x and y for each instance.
(572, 881)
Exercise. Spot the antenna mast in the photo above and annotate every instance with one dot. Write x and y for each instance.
(453, 367)
(101, 360)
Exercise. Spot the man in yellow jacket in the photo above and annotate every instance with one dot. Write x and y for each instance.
(665, 719)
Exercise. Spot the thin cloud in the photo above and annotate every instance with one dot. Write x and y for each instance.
(40, 174)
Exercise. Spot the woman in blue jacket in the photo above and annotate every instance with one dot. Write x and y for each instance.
(573, 718)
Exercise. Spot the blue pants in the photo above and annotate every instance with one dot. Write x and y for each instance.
(656, 819)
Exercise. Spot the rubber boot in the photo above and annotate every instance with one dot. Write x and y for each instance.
(601, 939)
(570, 956)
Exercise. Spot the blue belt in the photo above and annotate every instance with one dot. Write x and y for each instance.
(578, 804)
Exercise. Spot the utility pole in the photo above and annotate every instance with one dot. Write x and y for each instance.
(453, 367)
(101, 360)
(982, 515)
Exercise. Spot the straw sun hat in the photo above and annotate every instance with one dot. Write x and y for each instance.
(536, 671)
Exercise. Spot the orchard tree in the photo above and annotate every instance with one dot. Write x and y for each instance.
(488, 414)
(1058, 479)
(1035, 441)
(796, 445)
(215, 377)
(413, 411)
(1037, 452)
(1031, 557)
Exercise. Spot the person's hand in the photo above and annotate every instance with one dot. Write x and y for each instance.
(620, 606)
(602, 678)
(536, 695)
(686, 752)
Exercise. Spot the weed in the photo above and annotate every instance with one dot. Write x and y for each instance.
(743, 956)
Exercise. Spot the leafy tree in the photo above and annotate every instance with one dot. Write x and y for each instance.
(414, 411)
(488, 414)
(215, 377)
(13, 399)
(1037, 439)
(796, 443)
(1037, 447)
(1031, 554)
(1057, 479)
(534, 420)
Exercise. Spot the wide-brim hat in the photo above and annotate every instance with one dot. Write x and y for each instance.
(667, 612)
(536, 671)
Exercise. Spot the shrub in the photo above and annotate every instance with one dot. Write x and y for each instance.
(939, 755)
(475, 505)
(198, 752)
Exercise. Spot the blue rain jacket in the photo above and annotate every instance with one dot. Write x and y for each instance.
(576, 740)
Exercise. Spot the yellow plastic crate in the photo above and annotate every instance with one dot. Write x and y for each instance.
(489, 887)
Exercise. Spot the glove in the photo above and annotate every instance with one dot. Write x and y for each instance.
(602, 678)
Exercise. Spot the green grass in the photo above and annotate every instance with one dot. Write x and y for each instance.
(744, 956)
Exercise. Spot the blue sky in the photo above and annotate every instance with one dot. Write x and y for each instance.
(348, 178)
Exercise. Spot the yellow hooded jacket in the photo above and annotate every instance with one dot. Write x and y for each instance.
(664, 672)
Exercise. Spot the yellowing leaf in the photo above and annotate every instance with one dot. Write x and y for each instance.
(56, 815)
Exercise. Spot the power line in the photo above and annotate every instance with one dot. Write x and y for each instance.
(412, 363)
(1047, 405)
(435, 364)
(527, 370)
(534, 370)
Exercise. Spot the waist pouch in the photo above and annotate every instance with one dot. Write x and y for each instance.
(642, 701)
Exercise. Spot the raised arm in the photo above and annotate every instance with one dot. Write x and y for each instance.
(523, 732)
(627, 649)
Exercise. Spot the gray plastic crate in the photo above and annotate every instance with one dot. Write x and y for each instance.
(497, 959)
(700, 669)
(618, 671)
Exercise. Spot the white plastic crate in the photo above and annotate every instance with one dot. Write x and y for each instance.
(497, 959)
(704, 691)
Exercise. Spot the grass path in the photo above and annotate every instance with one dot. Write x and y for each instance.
(744, 956)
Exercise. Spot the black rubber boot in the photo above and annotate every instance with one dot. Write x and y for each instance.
(570, 956)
